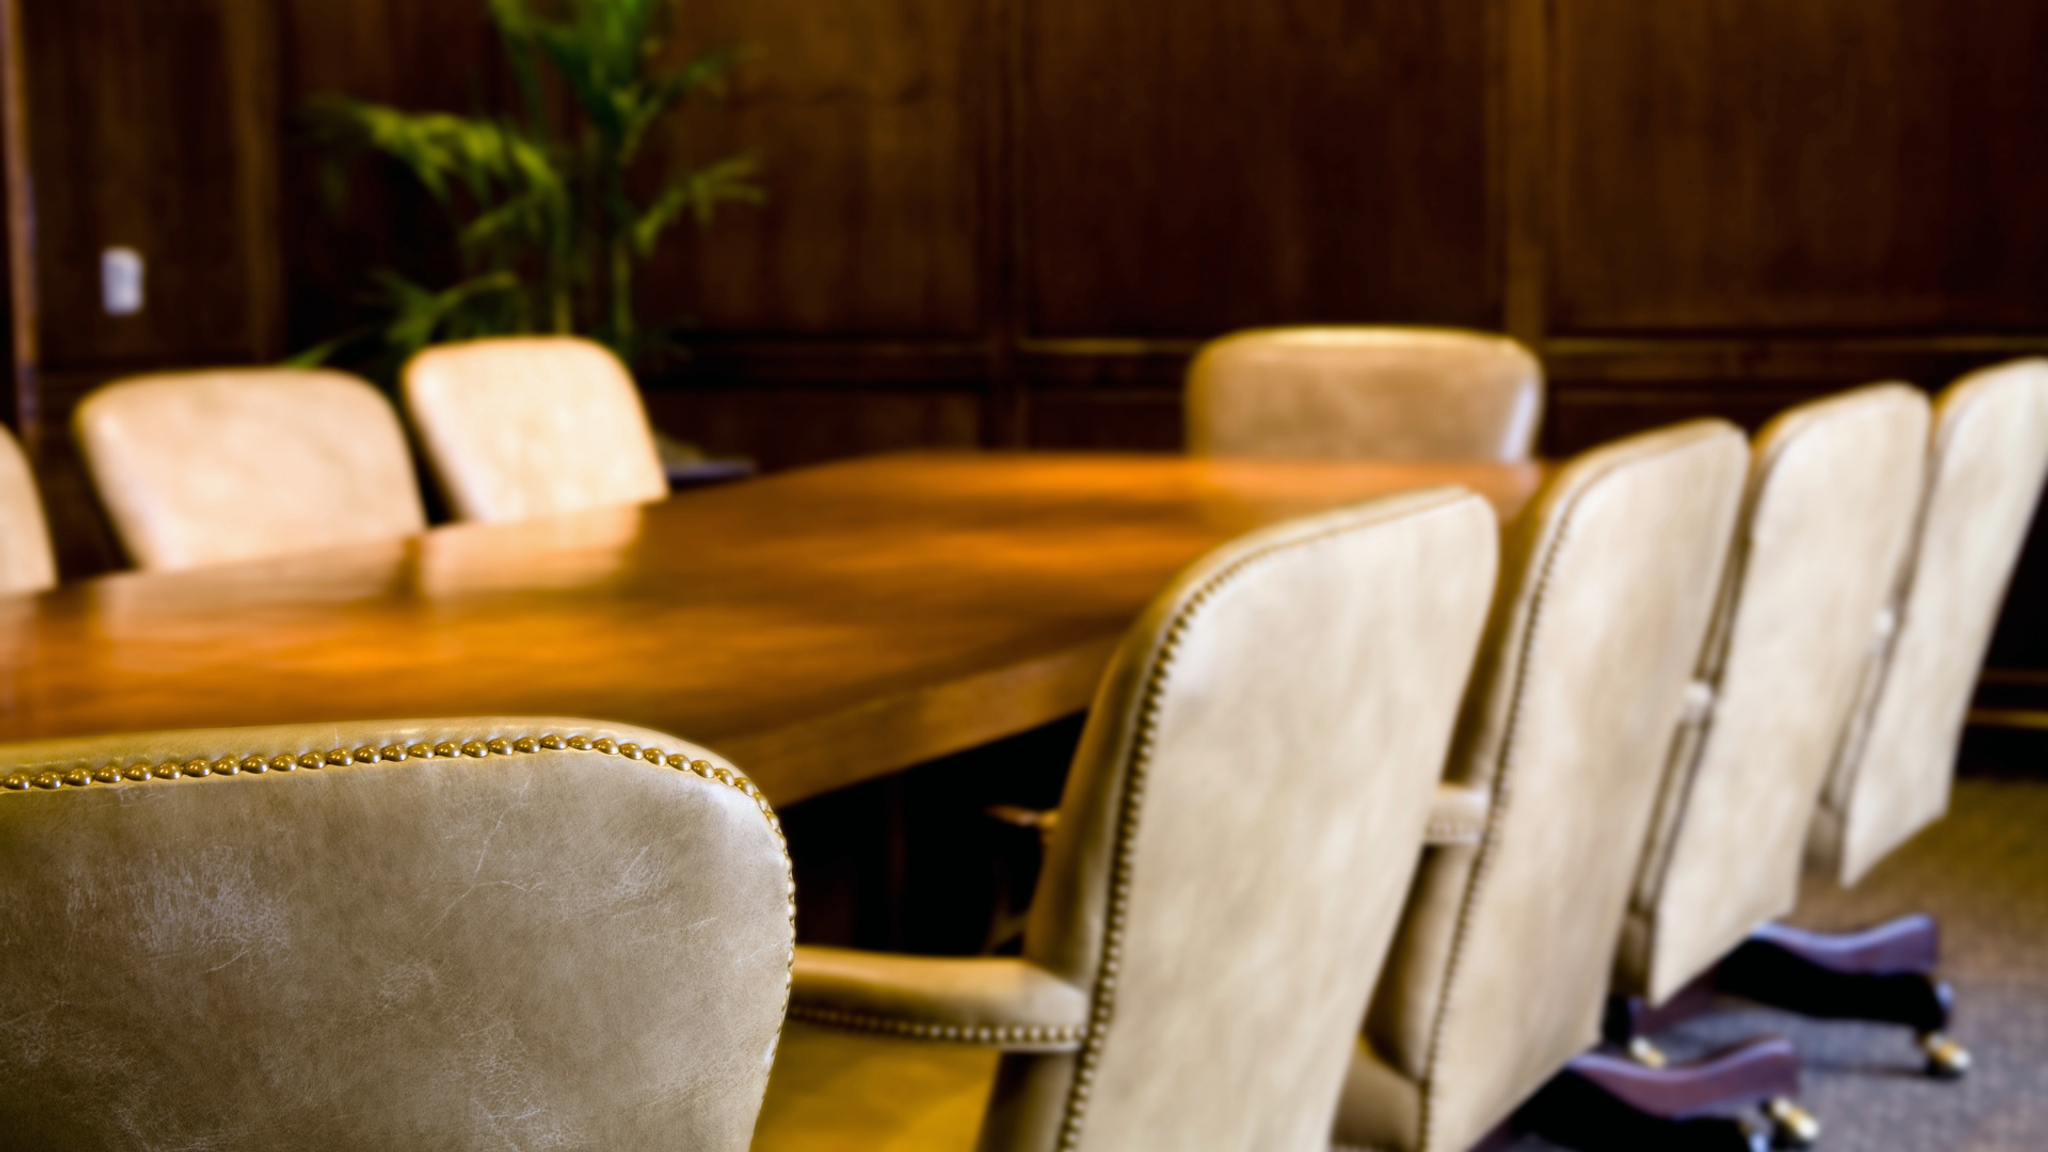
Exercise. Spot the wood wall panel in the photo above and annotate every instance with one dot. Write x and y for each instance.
(782, 426)
(152, 125)
(1187, 168)
(1822, 166)
(868, 120)
(1012, 221)
(416, 54)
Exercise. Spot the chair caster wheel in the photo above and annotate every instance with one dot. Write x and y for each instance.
(1791, 1125)
(1946, 1059)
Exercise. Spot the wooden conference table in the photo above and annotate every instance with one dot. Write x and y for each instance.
(819, 627)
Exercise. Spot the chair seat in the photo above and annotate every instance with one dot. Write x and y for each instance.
(837, 1091)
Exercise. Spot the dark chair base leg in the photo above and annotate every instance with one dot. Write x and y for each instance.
(1749, 1073)
(1607, 1101)
(1630, 1018)
(1574, 1112)
(1883, 975)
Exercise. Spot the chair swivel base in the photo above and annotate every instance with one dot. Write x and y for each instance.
(1883, 975)
(1576, 1111)
(1605, 1100)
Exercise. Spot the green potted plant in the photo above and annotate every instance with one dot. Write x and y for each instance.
(547, 226)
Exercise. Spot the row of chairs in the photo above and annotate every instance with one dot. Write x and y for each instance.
(1705, 669)
(1372, 813)
(206, 467)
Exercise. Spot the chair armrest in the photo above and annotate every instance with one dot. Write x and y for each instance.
(1458, 816)
(993, 1002)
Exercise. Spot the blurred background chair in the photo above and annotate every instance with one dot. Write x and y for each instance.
(1501, 968)
(1834, 489)
(27, 562)
(1896, 762)
(1397, 393)
(1989, 456)
(234, 464)
(1230, 858)
(460, 934)
(532, 426)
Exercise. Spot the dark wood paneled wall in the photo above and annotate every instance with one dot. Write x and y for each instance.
(1011, 221)
(1037, 208)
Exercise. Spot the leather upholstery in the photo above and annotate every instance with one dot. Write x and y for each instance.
(1012, 1004)
(1459, 816)
(1833, 493)
(27, 562)
(1236, 837)
(1502, 963)
(1984, 477)
(1398, 393)
(532, 426)
(529, 949)
(205, 467)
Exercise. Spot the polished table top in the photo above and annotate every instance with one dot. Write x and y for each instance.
(819, 627)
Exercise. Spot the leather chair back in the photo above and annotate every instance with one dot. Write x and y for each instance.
(1984, 475)
(1240, 826)
(1501, 968)
(1396, 393)
(206, 467)
(459, 934)
(532, 426)
(1834, 490)
(27, 561)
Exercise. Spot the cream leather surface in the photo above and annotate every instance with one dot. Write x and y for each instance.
(27, 562)
(532, 426)
(206, 467)
(1401, 393)
(1236, 837)
(1833, 493)
(1012, 1004)
(1984, 476)
(1502, 963)
(523, 949)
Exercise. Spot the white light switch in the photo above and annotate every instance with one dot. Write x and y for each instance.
(121, 281)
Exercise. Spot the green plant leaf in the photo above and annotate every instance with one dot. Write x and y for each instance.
(544, 212)
(699, 193)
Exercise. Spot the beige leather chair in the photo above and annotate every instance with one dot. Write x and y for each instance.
(206, 467)
(1834, 490)
(1501, 968)
(1398, 393)
(532, 426)
(1984, 476)
(457, 934)
(27, 562)
(1231, 853)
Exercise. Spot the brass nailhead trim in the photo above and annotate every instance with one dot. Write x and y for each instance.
(1504, 778)
(447, 749)
(958, 1033)
(1103, 1006)
(286, 762)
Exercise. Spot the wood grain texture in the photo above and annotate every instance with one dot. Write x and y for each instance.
(421, 55)
(867, 120)
(788, 427)
(820, 627)
(1195, 167)
(23, 312)
(154, 126)
(1830, 165)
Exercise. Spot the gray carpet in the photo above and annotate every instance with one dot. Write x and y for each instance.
(1984, 872)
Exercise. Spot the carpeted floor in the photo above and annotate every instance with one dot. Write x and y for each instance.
(1984, 872)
